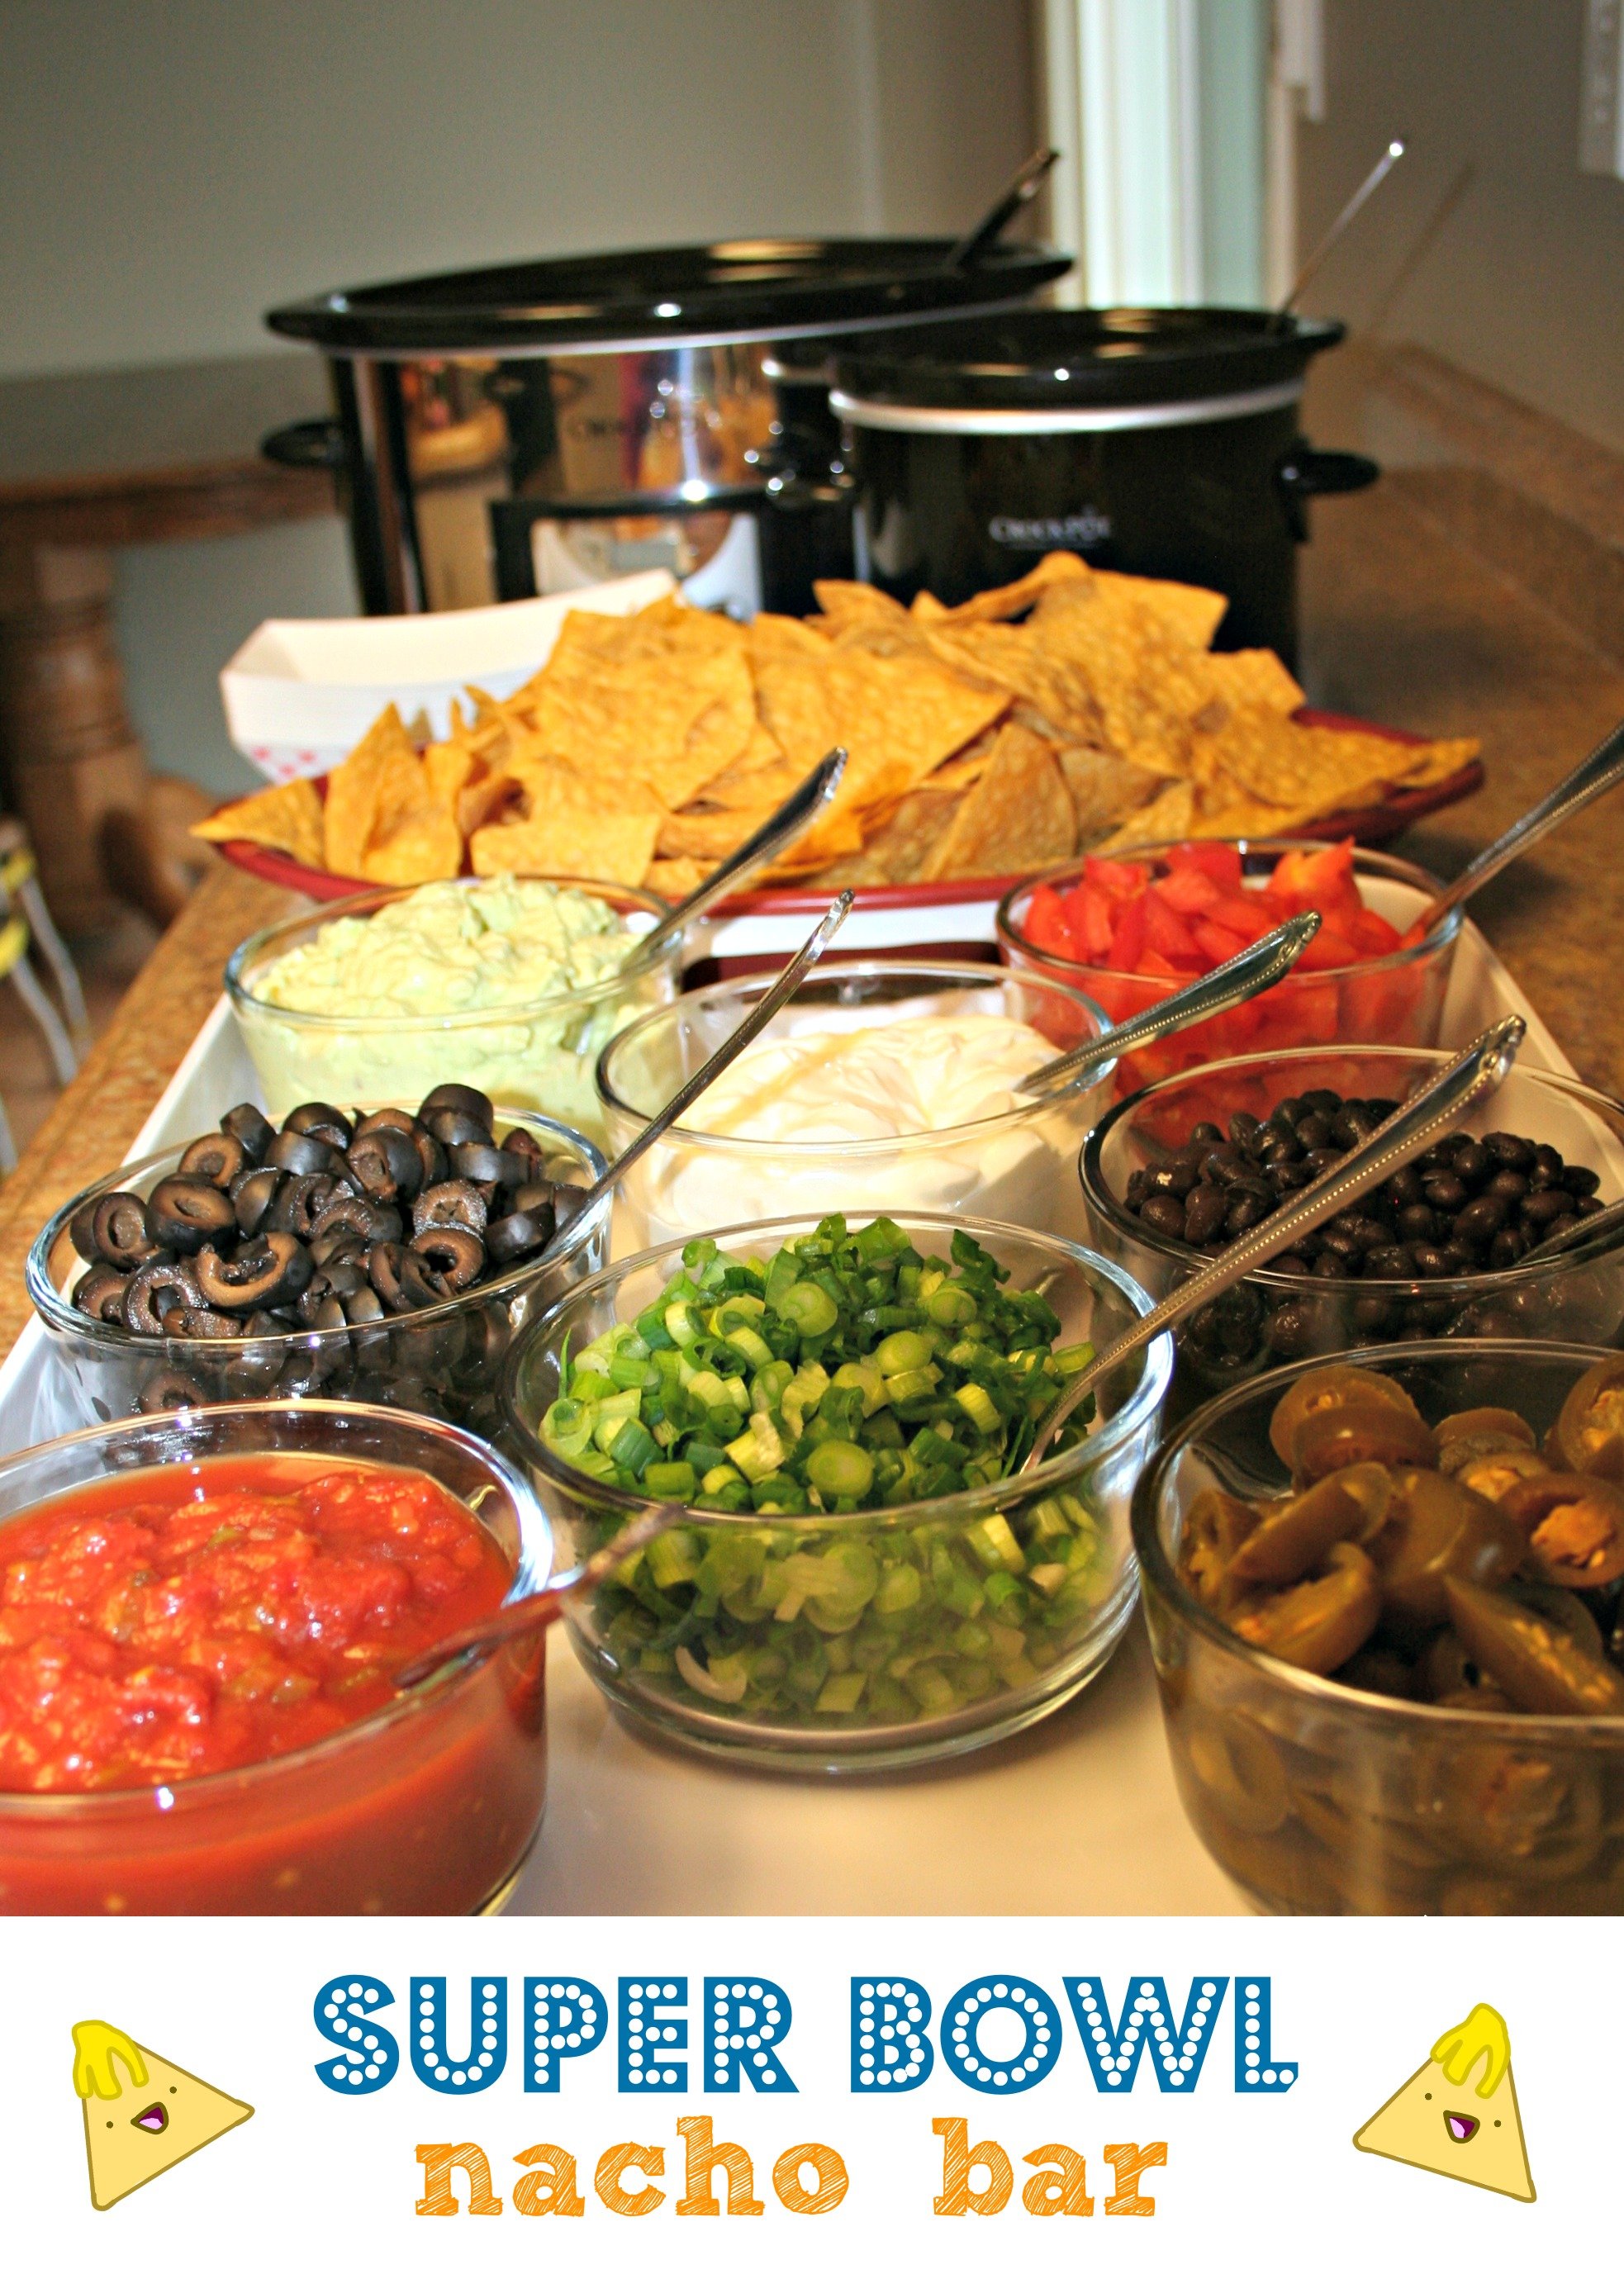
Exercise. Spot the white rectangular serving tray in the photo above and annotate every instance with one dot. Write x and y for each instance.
(1079, 1815)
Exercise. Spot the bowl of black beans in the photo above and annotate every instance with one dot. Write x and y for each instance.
(386, 1255)
(1482, 1236)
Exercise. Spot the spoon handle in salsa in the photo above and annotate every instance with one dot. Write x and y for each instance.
(742, 1035)
(779, 832)
(1260, 966)
(531, 1613)
(1592, 778)
(1465, 1083)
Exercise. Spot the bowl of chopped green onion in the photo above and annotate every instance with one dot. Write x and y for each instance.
(862, 1579)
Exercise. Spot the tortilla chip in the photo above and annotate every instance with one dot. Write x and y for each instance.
(1104, 788)
(375, 787)
(571, 829)
(705, 835)
(1014, 599)
(1017, 817)
(674, 880)
(447, 768)
(846, 605)
(1170, 816)
(423, 847)
(288, 818)
(898, 850)
(1189, 612)
(1254, 674)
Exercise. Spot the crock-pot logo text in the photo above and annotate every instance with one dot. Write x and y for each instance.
(1088, 527)
(1000, 2034)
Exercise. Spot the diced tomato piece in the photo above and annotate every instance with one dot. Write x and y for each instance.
(1154, 965)
(1331, 949)
(1218, 944)
(1047, 923)
(1189, 890)
(1245, 913)
(1088, 912)
(1128, 934)
(1167, 933)
(1322, 879)
(1123, 880)
(1371, 933)
(1219, 863)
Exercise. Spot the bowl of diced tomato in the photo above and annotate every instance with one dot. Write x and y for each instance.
(1129, 931)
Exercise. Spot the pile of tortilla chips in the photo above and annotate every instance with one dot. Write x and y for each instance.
(649, 746)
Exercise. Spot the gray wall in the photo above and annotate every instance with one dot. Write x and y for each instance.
(169, 168)
(1488, 245)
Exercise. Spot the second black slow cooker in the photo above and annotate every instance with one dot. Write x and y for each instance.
(1163, 441)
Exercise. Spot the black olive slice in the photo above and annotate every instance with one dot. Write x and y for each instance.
(218, 1159)
(342, 1242)
(458, 1097)
(454, 1202)
(253, 1196)
(252, 1371)
(201, 1326)
(489, 1164)
(316, 1119)
(118, 1230)
(306, 1156)
(388, 1116)
(158, 1285)
(568, 1202)
(383, 1269)
(369, 1220)
(527, 1145)
(301, 1201)
(385, 1165)
(82, 1232)
(454, 1257)
(253, 1132)
(168, 1390)
(431, 1156)
(273, 1269)
(451, 1127)
(364, 1308)
(100, 1294)
(184, 1214)
(522, 1233)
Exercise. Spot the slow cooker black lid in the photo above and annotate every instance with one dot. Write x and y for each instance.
(1042, 358)
(747, 288)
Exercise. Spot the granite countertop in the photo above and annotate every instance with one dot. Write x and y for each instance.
(1405, 620)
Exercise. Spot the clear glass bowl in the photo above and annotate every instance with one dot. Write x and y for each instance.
(430, 1805)
(1393, 998)
(1016, 1167)
(1317, 1798)
(539, 1055)
(1273, 1316)
(445, 1359)
(956, 1701)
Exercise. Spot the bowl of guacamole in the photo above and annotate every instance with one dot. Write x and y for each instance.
(512, 984)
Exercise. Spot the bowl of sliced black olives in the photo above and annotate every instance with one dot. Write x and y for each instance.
(1482, 1236)
(387, 1255)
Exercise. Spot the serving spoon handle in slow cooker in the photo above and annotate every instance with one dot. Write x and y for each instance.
(779, 832)
(1466, 1082)
(1026, 185)
(1592, 779)
(1262, 964)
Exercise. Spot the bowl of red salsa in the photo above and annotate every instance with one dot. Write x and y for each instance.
(202, 1616)
(1131, 931)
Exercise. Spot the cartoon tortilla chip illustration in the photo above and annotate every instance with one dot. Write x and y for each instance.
(1439, 2122)
(141, 2126)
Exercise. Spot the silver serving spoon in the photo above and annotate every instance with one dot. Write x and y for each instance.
(1601, 771)
(1260, 965)
(1475, 1074)
(780, 831)
(532, 1613)
(1026, 185)
(771, 1003)
(1367, 189)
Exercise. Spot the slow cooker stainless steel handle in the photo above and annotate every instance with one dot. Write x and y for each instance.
(309, 443)
(1305, 472)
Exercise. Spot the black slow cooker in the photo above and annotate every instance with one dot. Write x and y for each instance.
(1163, 441)
(533, 428)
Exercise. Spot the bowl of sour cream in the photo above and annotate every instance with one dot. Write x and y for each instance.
(881, 1086)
